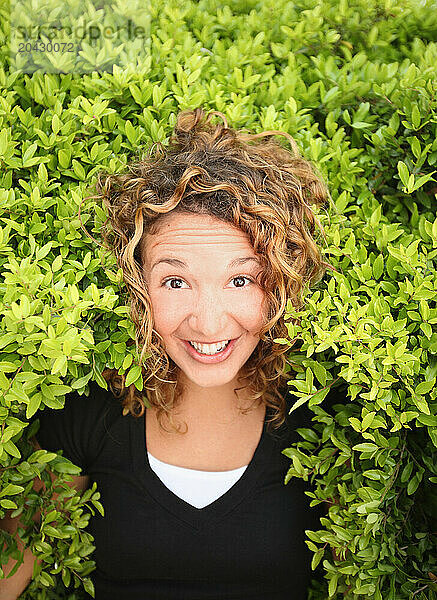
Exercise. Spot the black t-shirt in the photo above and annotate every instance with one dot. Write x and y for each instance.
(152, 545)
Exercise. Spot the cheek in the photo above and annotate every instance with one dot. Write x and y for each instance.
(167, 312)
(251, 311)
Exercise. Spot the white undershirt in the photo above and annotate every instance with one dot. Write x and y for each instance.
(198, 488)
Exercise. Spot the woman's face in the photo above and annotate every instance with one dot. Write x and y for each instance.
(201, 278)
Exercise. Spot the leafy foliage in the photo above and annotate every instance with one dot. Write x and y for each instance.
(355, 84)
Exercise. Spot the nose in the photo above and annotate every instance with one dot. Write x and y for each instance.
(209, 316)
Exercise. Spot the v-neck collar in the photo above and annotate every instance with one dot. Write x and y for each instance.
(199, 518)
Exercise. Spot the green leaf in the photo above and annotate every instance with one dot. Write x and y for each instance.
(128, 359)
(422, 180)
(406, 472)
(11, 449)
(413, 484)
(430, 420)
(332, 587)
(317, 558)
(365, 447)
(64, 158)
(34, 404)
(29, 152)
(372, 474)
(59, 365)
(78, 169)
(372, 518)
(5, 503)
(368, 420)
(3, 141)
(319, 372)
(11, 489)
(56, 124)
(133, 375)
(360, 125)
(410, 184)
(298, 403)
(42, 456)
(46, 579)
(89, 586)
(99, 507)
(415, 117)
(67, 467)
(421, 404)
(308, 434)
(77, 384)
(403, 172)
(66, 577)
(130, 132)
(378, 266)
(42, 252)
(53, 532)
(425, 387)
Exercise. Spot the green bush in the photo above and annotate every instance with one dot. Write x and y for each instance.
(354, 82)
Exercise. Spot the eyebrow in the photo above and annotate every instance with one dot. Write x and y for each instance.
(175, 262)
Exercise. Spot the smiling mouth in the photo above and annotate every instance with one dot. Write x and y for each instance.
(209, 349)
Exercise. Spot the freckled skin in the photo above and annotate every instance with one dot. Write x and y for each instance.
(208, 301)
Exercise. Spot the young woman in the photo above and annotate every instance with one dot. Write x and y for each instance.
(214, 234)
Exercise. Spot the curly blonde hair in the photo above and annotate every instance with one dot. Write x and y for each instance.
(263, 189)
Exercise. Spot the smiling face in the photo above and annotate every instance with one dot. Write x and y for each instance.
(201, 277)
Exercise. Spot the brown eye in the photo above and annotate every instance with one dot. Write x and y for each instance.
(173, 287)
(241, 278)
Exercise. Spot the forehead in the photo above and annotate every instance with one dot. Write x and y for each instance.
(190, 233)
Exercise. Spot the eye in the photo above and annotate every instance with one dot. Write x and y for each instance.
(241, 277)
(172, 279)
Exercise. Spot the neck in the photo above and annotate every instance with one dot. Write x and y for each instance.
(219, 405)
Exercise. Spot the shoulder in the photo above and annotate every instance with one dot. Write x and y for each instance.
(87, 408)
(96, 400)
(80, 426)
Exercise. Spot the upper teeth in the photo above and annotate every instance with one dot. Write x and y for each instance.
(209, 348)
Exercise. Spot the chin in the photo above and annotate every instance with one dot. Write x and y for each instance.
(208, 380)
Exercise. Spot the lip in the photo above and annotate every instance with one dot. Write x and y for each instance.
(208, 343)
(214, 358)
